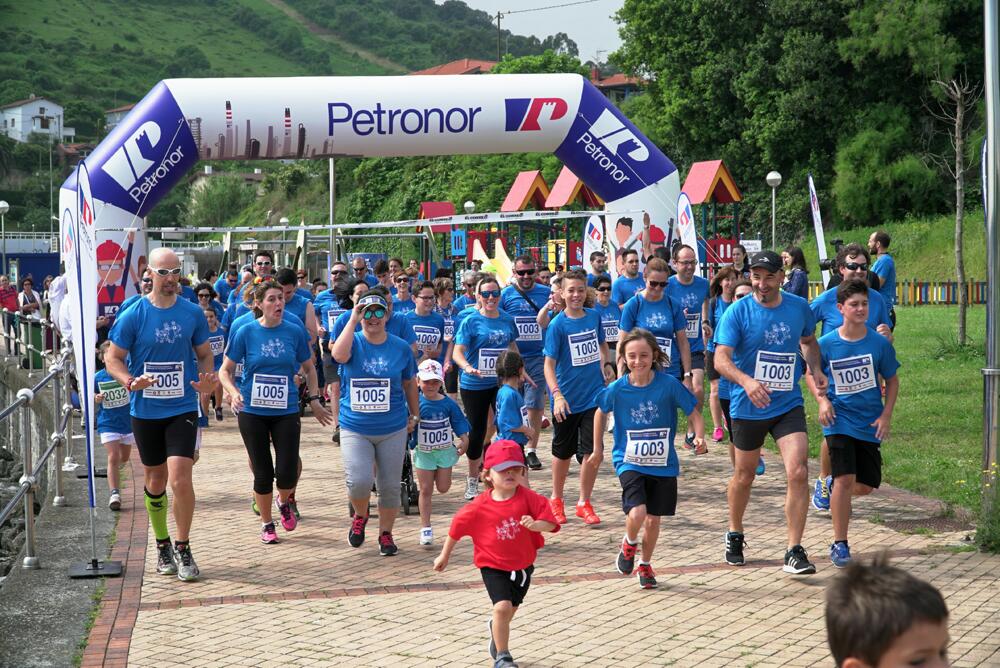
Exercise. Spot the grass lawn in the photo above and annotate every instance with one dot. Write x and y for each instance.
(937, 432)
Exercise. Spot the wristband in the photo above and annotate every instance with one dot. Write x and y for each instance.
(314, 397)
(128, 383)
(689, 374)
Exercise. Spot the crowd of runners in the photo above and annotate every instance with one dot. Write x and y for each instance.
(408, 374)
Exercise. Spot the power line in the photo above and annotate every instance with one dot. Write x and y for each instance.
(538, 9)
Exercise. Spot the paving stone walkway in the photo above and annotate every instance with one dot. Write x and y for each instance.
(312, 600)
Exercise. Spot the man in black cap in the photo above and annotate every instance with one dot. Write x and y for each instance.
(758, 342)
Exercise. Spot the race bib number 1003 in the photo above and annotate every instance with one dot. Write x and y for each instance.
(647, 447)
(776, 370)
(853, 374)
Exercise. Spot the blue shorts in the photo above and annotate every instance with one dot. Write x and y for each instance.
(535, 397)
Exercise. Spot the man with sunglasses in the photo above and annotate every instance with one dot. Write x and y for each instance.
(403, 302)
(152, 354)
(360, 268)
(852, 262)
(629, 282)
(691, 292)
(757, 348)
(227, 283)
(522, 300)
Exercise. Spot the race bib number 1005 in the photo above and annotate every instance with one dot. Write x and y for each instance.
(168, 380)
(370, 395)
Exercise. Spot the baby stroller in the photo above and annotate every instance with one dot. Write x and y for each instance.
(409, 494)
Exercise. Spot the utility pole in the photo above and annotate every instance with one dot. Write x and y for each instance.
(499, 16)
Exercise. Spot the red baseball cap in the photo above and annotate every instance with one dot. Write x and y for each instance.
(503, 455)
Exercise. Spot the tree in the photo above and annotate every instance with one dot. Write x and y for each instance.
(549, 62)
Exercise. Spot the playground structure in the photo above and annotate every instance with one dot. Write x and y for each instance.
(709, 185)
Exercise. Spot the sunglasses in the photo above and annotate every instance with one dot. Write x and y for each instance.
(263, 264)
(525, 272)
(656, 284)
(488, 294)
(206, 295)
(745, 294)
(176, 271)
(147, 280)
(854, 266)
(403, 279)
(359, 268)
(374, 313)
(300, 276)
(604, 289)
(337, 272)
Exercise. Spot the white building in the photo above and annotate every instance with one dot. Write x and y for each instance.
(35, 115)
(113, 117)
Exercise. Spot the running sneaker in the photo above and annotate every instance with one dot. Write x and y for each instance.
(689, 441)
(386, 546)
(356, 534)
(336, 436)
(504, 660)
(840, 554)
(471, 488)
(821, 495)
(586, 511)
(187, 570)
(626, 557)
(115, 500)
(288, 521)
(165, 558)
(427, 536)
(734, 548)
(761, 466)
(218, 413)
(797, 563)
(532, 460)
(558, 509)
(647, 578)
(492, 646)
(718, 434)
(294, 506)
(268, 535)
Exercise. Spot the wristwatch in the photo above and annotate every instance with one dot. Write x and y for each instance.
(689, 374)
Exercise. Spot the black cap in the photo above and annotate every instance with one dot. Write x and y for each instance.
(768, 260)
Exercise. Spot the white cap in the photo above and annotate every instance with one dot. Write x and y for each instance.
(430, 370)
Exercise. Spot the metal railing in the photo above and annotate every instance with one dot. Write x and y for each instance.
(61, 436)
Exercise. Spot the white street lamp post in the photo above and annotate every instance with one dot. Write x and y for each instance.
(774, 180)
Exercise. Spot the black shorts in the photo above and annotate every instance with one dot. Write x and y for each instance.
(165, 437)
(573, 435)
(331, 370)
(749, 435)
(724, 403)
(849, 455)
(710, 366)
(892, 318)
(451, 380)
(507, 585)
(659, 495)
(698, 360)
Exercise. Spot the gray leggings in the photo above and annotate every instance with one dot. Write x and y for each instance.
(363, 455)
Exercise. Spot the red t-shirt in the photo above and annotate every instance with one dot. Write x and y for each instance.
(498, 539)
(8, 298)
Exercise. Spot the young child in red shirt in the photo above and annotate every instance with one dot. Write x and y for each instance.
(505, 523)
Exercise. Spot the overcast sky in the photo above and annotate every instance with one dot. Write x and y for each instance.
(590, 25)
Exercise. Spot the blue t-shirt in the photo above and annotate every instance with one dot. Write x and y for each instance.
(372, 401)
(663, 319)
(402, 307)
(441, 420)
(128, 303)
(327, 309)
(217, 340)
(297, 306)
(463, 300)
(853, 368)
(624, 288)
(824, 307)
(397, 326)
(510, 414)
(575, 345)
(645, 423)
(610, 315)
(691, 298)
(233, 312)
(249, 317)
(529, 334)
(885, 267)
(305, 294)
(719, 307)
(429, 331)
(223, 289)
(593, 277)
(484, 340)
(188, 293)
(113, 411)
(765, 343)
(271, 357)
(160, 342)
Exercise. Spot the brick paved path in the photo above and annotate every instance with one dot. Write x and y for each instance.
(314, 601)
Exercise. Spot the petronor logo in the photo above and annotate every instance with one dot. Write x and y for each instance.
(525, 114)
(611, 132)
(132, 165)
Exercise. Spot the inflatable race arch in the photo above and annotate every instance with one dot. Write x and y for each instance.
(183, 120)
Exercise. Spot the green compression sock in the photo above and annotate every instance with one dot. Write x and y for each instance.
(156, 506)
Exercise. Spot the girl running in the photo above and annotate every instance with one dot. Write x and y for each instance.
(272, 352)
(114, 424)
(435, 454)
(511, 413)
(446, 308)
(644, 402)
(720, 296)
(217, 339)
(505, 523)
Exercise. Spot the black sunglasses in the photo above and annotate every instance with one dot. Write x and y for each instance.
(605, 289)
(854, 266)
(206, 295)
(525, 272)
(656, 284)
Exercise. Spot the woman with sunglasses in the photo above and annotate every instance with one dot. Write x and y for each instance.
(480, 339)
(468, 298)
(653, 310)
(273, 350)
(611, 315)
(206, 299)
(403, 302)
(379, 407)
(444, 289)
